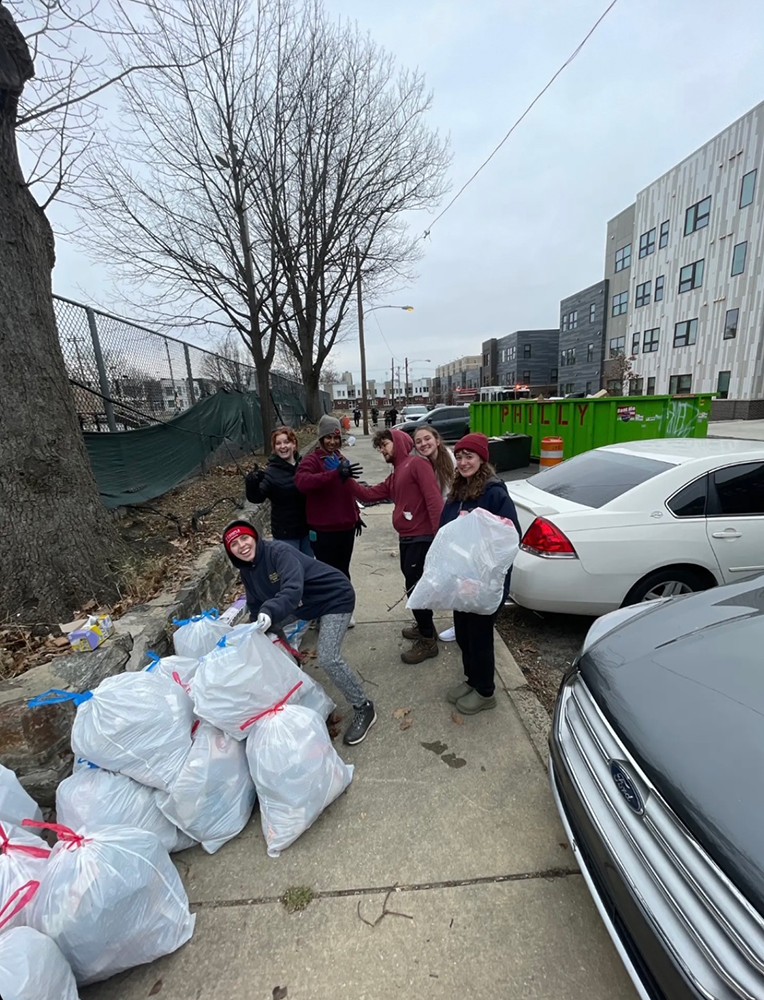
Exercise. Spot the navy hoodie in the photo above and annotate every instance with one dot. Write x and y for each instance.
(284, 583)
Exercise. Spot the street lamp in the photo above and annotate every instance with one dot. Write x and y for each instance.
(406, 383)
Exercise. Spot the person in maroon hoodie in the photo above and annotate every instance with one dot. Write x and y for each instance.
(413, 487)
(323, 476)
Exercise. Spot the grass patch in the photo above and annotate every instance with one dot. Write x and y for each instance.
(297, 898)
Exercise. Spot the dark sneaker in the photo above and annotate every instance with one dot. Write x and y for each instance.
(474, 702)
(422, 650)
(364, 718)
(458, 691)
(411, 632)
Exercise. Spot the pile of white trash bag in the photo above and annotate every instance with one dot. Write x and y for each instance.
(165, 758)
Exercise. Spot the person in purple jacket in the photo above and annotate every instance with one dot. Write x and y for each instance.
(476, 485)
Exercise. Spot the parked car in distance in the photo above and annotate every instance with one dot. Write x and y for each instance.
(451, 422)
(637, 521)
(656, 756)
(412, 412)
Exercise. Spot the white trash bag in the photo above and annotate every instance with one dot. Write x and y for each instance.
(16, 803)
(92, 798)
(31, 965)
(196, 636)
(213, 796)
(23, 857)
(111, 899)
(246, 675)
(136, 723)
(296, 771)
(175, 668)
(467, 564)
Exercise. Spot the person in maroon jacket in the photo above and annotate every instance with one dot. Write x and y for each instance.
(414, 489)
(323, 476)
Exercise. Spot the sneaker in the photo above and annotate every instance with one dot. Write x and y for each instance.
(411, 632)
(422, 650)
(458, 691)
(364, 718)
(449, 635)
(351, 623)
(473, 703)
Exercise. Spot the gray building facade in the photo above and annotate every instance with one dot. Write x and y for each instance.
(528, 358)
(620, 254)
(583, 334)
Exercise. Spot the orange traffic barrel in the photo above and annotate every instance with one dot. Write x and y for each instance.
(551, 452)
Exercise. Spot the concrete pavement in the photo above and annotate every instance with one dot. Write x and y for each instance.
(750, 430)
(456, 814)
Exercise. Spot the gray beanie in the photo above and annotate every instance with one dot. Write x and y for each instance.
(327, 426)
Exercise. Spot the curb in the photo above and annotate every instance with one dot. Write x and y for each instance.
(533, 716)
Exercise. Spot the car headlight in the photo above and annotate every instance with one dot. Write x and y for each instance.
(607, 623)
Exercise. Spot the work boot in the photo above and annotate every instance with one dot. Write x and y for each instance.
(422, 650)
(458, 691)
(364, 718)
(411, 632)
(472, 703)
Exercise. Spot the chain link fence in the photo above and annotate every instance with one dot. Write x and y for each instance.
(125, 376)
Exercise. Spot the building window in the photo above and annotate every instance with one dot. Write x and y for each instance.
(592, 312)
(723, 383)
(526, 350)
(570, 356)
(635, 338)
(650, 341)
(623, 258)
(617, 347)
(635, 386)
(685, 333)
(615, 386)
(643, 294)
(663, 240)
(680, 384)
(513, 353)
(691, 276)
(738, 258)
(647, 243)
(590, 352)
(697, 216)
(588, 389)
(746, 193)
(659, 283)
(620, 303)
(526, 376)
(650, 386)
(563, 323)
(730, 324)
(553, 375)
(568, 387)
(574, 320)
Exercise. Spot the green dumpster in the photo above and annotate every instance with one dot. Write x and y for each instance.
(584, 424)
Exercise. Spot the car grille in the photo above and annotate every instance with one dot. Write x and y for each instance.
(710, 929)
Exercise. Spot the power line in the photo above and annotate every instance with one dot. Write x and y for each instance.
(392, 353)
(535, 100)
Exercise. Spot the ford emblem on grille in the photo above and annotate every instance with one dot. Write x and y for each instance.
(627, 787)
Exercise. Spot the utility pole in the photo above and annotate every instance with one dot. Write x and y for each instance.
(406, 385)
(392, 381)
(361, 341)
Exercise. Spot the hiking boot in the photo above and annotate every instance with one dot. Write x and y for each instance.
(422, 650)
(472, 703)
(411, 632)
(364, 718)
(458, 691)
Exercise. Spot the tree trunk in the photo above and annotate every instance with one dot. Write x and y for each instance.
(266, 406)
(56, 537)
(312, 394)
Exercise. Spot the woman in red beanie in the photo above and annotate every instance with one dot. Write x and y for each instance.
(476, 485)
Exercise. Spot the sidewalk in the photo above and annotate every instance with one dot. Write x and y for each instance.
(749, 430)
(457, 816)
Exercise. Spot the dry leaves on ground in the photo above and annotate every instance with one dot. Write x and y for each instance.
(401, 713)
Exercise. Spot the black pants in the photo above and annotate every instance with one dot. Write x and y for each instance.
(335, 548)
(474, 635)
(357, 420)
(412, 567)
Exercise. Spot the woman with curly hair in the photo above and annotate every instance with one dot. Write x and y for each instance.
(476, 485)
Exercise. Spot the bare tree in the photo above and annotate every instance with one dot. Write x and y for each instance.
(618, 369)
(227, 364)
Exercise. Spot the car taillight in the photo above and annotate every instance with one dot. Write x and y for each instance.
(545, 539)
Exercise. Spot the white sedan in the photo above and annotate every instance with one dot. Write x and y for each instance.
(637, 522)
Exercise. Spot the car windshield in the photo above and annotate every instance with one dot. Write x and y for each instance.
(597, 477)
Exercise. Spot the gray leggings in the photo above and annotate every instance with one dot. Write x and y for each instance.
(331, 632)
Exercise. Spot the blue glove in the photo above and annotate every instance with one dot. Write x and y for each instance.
(332, 461)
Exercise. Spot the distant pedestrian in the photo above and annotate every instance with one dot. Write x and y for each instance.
(276, 483)
(387, 418)
(393, 416)
(357, 416)
(374, 415)
(476, 485)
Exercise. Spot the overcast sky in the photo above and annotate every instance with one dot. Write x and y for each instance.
(658, 79)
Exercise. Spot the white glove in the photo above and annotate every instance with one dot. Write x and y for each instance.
(263, 622)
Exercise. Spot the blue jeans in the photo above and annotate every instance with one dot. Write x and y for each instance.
(303, 544)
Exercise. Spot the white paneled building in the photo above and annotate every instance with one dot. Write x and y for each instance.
(694, 307)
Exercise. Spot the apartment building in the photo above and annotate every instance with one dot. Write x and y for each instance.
(583, 331)
(456, 380)
(684, 268)
(525, 357)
